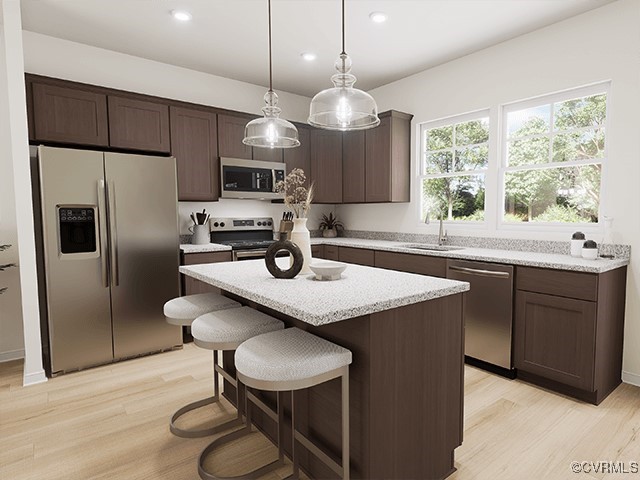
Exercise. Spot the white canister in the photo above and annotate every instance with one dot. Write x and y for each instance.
(577, 241)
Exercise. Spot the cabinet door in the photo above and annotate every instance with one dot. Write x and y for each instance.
(555, 338)
(407, 262)
(378, 162)
(68, 115)
(331, 252)
(230, 135)
(353, 167)
(191, 286)
(194, 143)
(317, 251)
(360, 256)
(300, 157)
(326, 166)
(138, 125)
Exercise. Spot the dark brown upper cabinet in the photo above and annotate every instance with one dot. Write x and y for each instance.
(194, 143)
(138, 125)
(326, 166)
(353, 167)
(388, 159)
(69, 115)
(230, 135)
(300, 157)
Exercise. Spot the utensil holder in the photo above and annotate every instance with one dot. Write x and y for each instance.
(200, 234)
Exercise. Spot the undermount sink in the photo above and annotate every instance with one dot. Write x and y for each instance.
(432, 248)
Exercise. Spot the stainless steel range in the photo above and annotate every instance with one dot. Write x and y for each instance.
(248, 238)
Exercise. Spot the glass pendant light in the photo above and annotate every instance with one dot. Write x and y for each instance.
(271, 131)
(343, 107)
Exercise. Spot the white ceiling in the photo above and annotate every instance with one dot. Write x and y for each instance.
(229, 37)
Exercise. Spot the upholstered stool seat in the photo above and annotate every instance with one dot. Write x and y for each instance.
(287, 360)
(184, 310)
(227, 329)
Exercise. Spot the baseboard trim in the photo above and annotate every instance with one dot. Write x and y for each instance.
(631, 378)
(11, 355)
(34, 378)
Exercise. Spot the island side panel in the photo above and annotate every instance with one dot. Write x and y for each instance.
(417, 389)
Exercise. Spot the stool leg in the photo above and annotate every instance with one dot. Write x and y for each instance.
(205, 432)
(294, 457)
(345, 425)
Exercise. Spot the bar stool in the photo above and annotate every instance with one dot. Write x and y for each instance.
(226, 330)
(288, 360)
(183, 311)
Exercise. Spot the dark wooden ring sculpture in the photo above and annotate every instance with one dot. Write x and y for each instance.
(270, 259)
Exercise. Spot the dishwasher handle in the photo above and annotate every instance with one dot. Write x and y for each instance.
(480, 272)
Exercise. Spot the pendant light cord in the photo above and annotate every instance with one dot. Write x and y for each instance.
(270, 61)
(343, 50)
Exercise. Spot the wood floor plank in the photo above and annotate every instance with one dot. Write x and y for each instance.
(111, 423)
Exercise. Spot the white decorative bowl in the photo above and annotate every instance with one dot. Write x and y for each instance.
(327, 270)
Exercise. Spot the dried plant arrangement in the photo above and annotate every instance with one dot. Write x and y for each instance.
(297, 197)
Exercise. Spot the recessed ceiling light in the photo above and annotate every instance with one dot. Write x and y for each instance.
(181, 15)
(378, 17)
(309, 57)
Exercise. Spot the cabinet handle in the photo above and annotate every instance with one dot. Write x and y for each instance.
(481, 273)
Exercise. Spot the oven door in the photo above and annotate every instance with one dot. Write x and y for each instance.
(250, 178)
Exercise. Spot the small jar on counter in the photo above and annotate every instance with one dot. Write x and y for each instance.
(590, 250)
(577, 242)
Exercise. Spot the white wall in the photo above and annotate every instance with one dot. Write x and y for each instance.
(601, 45)
(14, 151)
(11, 340)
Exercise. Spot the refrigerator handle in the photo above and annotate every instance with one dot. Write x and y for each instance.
(113, 232)
(102, 231)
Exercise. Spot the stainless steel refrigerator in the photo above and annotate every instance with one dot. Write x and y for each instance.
(109, 255)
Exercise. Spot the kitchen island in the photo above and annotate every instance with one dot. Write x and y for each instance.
(406, 381)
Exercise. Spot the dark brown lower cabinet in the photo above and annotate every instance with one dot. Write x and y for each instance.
(331, 252)
(359, 256)
(191, 286)
(407, 262)
(570, 345)
(556, 338)
(317, 251)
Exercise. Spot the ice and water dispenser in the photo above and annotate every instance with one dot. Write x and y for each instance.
(77, 227)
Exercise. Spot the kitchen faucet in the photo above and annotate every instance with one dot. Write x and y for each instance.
(442, 234)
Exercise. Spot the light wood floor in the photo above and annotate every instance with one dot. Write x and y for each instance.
(111, 423)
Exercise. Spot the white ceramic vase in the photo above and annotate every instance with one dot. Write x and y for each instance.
(301, 237)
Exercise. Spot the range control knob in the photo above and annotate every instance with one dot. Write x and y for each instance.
(259, 224)
(269, 223)
(216, 224)
(222, 224)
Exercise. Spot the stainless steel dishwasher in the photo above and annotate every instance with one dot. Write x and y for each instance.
(488, 313)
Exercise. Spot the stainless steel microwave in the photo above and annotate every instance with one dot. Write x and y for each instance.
(250, 178)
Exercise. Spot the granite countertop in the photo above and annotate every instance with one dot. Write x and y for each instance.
(207, 247)
(361, 290)
(511, 257)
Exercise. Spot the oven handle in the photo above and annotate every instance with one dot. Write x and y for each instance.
(480, 272)
(245, 254)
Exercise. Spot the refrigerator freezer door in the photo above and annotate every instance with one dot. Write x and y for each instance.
(144, 245)
(78, 307)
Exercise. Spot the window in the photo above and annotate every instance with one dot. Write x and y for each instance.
(454, 163)
(553, 154)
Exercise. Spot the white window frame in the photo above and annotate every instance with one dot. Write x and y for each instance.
(573, 93)
(487, 172)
